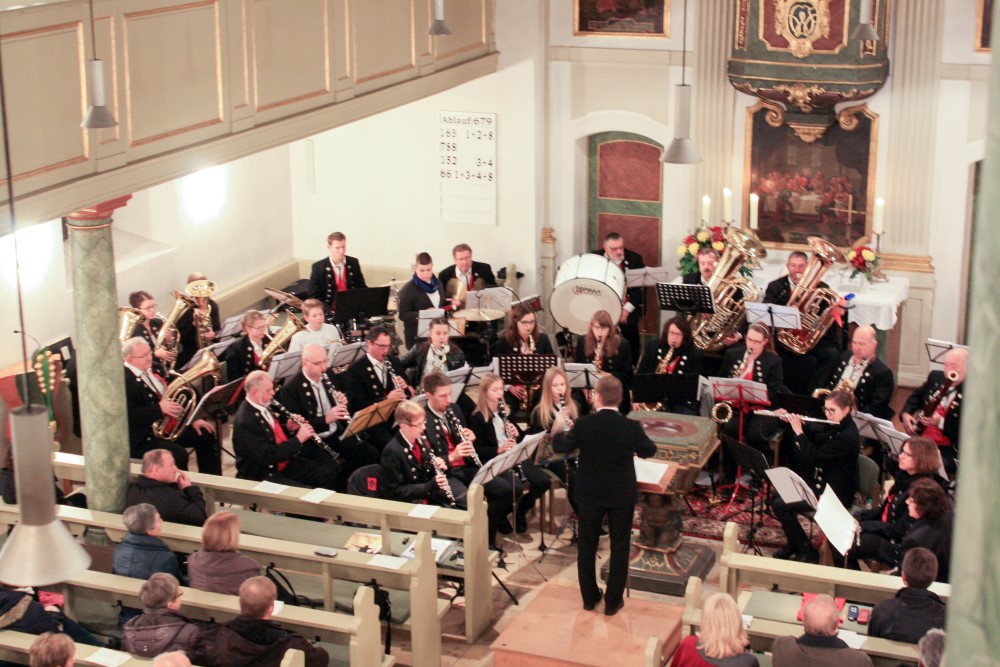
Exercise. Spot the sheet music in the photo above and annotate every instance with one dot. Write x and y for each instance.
(835, 521)
(581, 376)
(791, 487)
(769, 314)
(647, 276)
(937, 349)
(649, 471)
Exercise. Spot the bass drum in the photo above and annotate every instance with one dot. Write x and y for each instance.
(585, 284)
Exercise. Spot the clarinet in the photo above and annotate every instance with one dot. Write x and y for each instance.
(568, 424)
(328, 385)
(397, 382)
(424, 445)
(284, 412)
(456, 426)
(504, 417)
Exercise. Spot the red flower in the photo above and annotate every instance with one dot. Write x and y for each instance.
(690, 239)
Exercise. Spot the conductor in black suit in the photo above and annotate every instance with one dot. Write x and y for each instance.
(605, 486)
(615, 251)
(336, 273)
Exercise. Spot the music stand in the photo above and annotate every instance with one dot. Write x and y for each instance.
(373, 415)
(772, 315)
(648, 276)
(582, 375)
(744, 394)
(753, 461)
(345, 355)
(654, 387)
(937, 349)
(218, 349)
(232, 326)
(476, 374)
(283, 366)
(424, 318)
(686, 299)
(807, 406)
(215, 404)
(490, 298)
(525, 369)
(360, 304)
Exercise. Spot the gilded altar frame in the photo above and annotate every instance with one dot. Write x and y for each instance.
(845, 155)
(621, 18)
(984, 23)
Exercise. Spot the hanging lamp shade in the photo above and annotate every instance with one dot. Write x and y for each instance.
(865, 31)
(682, 150)
(98, 115)
(438, 27)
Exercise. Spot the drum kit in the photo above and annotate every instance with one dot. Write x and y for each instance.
(585, 284)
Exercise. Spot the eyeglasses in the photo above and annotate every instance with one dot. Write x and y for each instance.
(382, 346)
(526, 322)
(321, 362)
(829, 410)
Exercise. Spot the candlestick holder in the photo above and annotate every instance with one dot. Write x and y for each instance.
(877, 275)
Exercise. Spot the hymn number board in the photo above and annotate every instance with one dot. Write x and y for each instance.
(467, 167)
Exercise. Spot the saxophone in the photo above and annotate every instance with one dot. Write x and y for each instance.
(847, 384)
(741, 368)
(598, 356)
(531, 343)
(440, 358)
(661, 368)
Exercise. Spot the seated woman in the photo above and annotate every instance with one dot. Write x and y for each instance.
(555, 412)
(673, 353)
(219, 567)
(496, 435)
(161, 627)
(604, 346)
(883, 527)
(720, 640)
(521, 337)
(931, 508)
(142, 553)
(826, 454)
(244, 355)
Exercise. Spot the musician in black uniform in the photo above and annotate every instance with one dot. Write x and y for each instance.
(943, 425)
(423, 291)
(434, 354)
(676, 353)
(804, 371)
(708, 259)
(473, 276)
(245, 354)
(188, 330)
(315, 394)
(635, 297)
(150, 327)
(605, 486)
(408, 474)
(521, 336)
(824, 454)
(754, 361)
(613, 356)
(860, 367)
(369, 380)
(146, 405)
(267, 450)
(336, 273)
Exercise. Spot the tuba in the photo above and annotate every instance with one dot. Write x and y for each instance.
(201, 290)
(129, 319)
(169, 336)
(711, 330)
(181, 390)
(817, 305)
(292, 326)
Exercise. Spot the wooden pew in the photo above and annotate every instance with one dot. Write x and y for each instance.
(359, 632)
(468, 526)
(414, 575)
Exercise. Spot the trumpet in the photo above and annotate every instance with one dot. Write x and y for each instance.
(456, 426)
(424, 445)
(779, 415)
(282, 411)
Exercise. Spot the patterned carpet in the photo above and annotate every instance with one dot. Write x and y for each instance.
(704, 518)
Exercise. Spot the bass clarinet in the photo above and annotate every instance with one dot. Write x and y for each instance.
(284, 412)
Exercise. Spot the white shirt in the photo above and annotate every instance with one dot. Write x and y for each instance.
(326, 334)
(434, 357)
(148, 378)
(379, 367)
(268, 417)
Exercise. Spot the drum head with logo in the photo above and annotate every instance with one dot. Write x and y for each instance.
(585, 284)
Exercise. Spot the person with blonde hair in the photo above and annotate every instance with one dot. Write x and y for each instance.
(52, 649)
(219, 567)
(721, 639)
(244, 355)
(604, 346)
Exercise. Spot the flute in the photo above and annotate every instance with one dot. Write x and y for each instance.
(283, 411)
(779, 415)
(456, 426)
(425, 445)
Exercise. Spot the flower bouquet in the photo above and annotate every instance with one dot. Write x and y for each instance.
(702, 237)
(863, 261)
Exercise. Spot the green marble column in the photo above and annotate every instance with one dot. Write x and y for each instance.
(98, 353)
(974, 608)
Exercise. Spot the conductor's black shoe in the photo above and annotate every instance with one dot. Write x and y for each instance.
(784, 554)
(589, 606)
(612, 610)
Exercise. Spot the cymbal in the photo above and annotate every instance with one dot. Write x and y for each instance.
(284, 297)
(479, 314)
(455, 289)
(395, 282)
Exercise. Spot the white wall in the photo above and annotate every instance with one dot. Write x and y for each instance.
(157, 244)
(376, 179)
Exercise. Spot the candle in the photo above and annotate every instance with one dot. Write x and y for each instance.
(706, 209)
(727, 204)
(754, 201)
(878, 221)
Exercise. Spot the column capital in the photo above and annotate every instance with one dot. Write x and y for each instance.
(91, 217)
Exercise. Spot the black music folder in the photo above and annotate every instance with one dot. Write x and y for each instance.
(654, 387)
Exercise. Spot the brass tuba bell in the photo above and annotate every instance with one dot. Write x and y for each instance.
(817, 305)
(181, 390)
(128, 320)
(279, 341)
(169, 336)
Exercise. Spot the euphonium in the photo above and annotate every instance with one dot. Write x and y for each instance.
(181, 391)
(292, 326)
(201, 291)
(711, 330)
(129, 319)
(817, 305)
(169, 336)
(848, 384)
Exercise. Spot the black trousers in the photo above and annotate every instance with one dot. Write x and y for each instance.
(620, 531)
(787, 516)
(539, 482)
(206, 450)
(308, 471)
(354, 453)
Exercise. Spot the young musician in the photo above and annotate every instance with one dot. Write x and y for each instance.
(521, 336)
(245, 354)
(408, 472)
(604, 347)
(495, 434)
(555, 412)
(189, 330)
(268, 450)
(674, 353)
(314, 393)
(373, 378)
(614, 250)
(824, 454)
(317, 330)
(436, 354)
(422, 292)
(150, 327)
(943, 425)
(336, 273)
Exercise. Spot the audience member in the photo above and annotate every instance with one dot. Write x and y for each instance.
(930, 649)
(142, 553)
(819, 646)
(721, 639)
(253, 639)
(161, 627)
(52, 649)
(172, 659)
(219, 567)
(167, 488)
(914, 610)
(21, 611)
(931, 507)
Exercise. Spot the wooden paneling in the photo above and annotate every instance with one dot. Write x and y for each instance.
(392, 57)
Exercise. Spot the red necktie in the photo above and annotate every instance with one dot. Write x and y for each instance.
(470, 281)
(417, 454)
(279, 438)
(341, 279)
